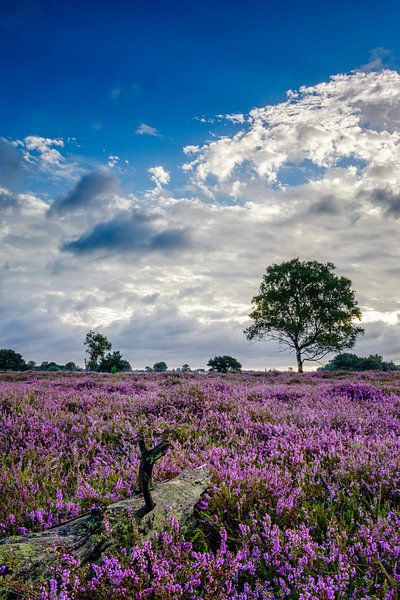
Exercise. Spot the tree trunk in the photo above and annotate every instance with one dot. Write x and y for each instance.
(26, 559)
(299, 362)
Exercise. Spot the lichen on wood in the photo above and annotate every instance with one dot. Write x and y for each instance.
(30, 557)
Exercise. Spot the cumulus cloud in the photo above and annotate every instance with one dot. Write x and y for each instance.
(159, 176)
(145, 129)
(48, 155)
(350, 118)
(46, 148)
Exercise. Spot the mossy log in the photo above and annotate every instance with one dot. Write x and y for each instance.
(30, 557)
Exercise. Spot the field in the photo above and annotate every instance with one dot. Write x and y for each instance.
(305, 472)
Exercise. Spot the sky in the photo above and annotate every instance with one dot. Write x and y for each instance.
(156, 157)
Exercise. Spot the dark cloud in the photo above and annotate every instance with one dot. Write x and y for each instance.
(325, 206)
(384, 198)
(135, 233)
(10, 163)
(89, 189)
(380, 338)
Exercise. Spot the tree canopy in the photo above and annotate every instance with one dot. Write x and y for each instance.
(113, 363)
(11, 361)
(306, 308)
(223, 364)
(351, 362)
(96, 347)
(160, 366)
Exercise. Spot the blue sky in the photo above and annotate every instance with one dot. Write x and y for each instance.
(95, 71)
(156, 157)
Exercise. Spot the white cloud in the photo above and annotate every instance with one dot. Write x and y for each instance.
(113, 160)
(351, 117)
(44, 146)
(235, 118)
(159, 176)
(145, 129)
(191, 149)
(46, 154)
(204, 119)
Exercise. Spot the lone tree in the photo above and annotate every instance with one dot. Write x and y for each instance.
(223, 364)
(96, 346)
(307, 308)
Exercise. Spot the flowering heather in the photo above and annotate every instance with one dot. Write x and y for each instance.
(305, 471)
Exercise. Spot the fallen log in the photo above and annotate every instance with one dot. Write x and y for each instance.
(28, 558)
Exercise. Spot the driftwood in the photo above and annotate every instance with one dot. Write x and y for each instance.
(148, 459)
(28, 558)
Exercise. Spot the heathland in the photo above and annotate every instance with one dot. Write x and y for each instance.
(305, 480)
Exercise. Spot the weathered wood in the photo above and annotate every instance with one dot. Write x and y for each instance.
(29, 557)
(148, 458)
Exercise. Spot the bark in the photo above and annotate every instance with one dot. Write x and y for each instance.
(299, 361)
(148, 459)
(29, 558)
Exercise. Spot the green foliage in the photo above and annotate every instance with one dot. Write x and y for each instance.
(305, 307)
(223, 364)
(125, 532)
(71, 366)
(160, 367)
(11, 361)
(96, 347)
(185, 368)
(352, 362)
(113, 363)
(53, 367)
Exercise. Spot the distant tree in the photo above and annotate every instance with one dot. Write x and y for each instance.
(185, 368)
(113, 363)
(71, 366)
(96, 346)
(390, 366)
(49, 366)
(305, 307)
(148, 369)
(352, 362)
(159, 367)
(373, 362)
(31, 365)
(344, 362)
(11, 361)
(53, 366)
(223, 364)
